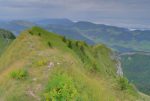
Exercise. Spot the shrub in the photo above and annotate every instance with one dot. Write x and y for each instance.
(64, 39)
(39, 34)
(30, 32)
(123, 83)
(82, 48)
(77, 43)
(69, 44)
(49, 44)
(19, 74)
(60, 88)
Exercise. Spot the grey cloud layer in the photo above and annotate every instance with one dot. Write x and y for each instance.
(135, 11)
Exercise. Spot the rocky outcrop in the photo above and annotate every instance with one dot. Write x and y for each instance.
(119, 68)
(115, 56)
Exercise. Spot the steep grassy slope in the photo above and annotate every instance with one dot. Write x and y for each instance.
(5, 39)
(137, 68)
(42, 66)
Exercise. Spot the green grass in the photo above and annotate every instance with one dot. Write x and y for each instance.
(87, 73)
(62, 88)
(19, 74)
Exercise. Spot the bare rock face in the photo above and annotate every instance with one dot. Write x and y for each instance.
(116, 57)
(119, 68)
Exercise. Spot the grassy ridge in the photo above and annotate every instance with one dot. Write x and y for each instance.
(43, 66)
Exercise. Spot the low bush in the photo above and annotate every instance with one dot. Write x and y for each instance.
(77, 43)
(64, 39)
(42, 62)
(39, 34)
(82, 49)
(19, 74)
(123, 83)
(60, 88)
(69, 44)
(30, 32)
(49, 44)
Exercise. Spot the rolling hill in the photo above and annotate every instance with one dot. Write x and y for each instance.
(43, 66)
(6, 37)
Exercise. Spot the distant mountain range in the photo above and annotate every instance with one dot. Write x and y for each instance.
(120, 39)
(16, 26)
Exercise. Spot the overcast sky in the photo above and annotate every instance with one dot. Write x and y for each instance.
(115, 12)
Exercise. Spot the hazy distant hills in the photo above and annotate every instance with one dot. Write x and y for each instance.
(16, 26)
(121, 39)
(54, 22)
